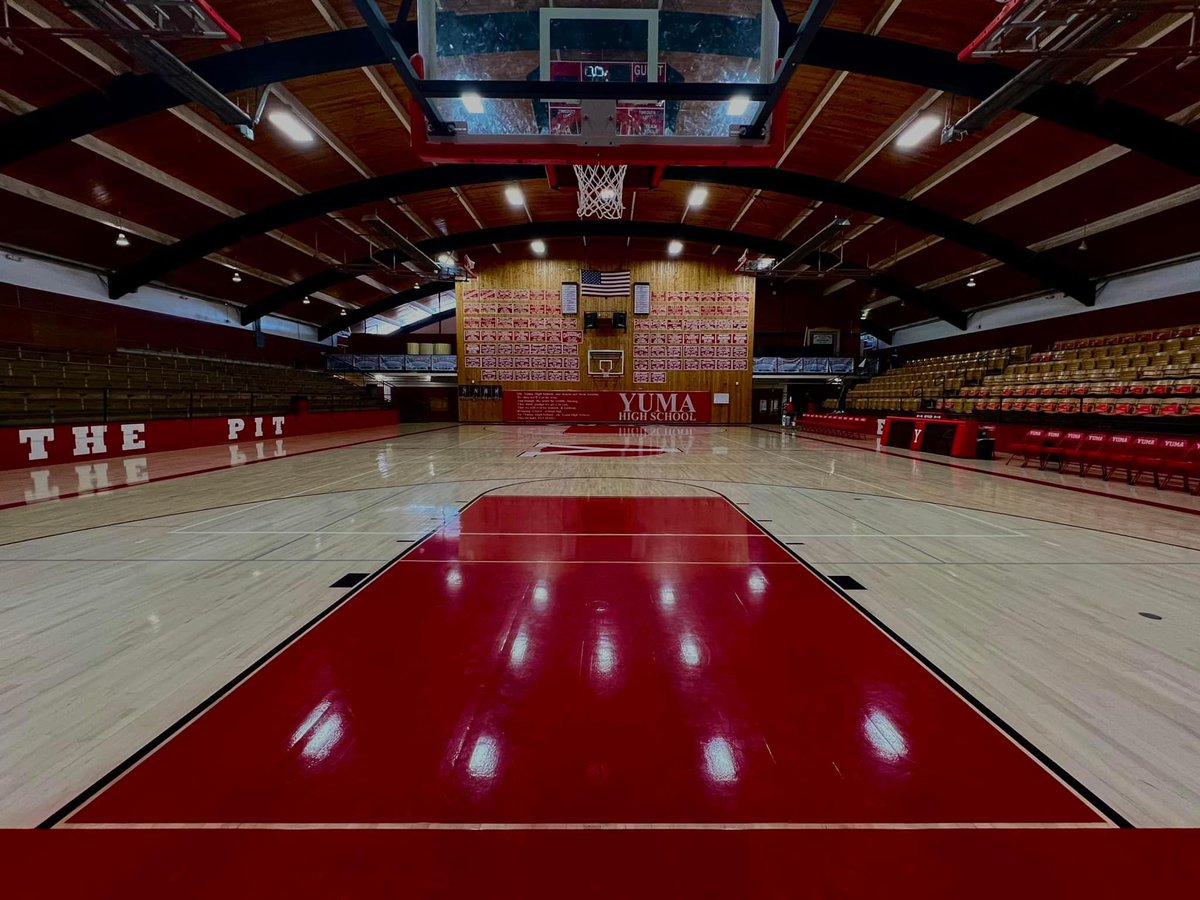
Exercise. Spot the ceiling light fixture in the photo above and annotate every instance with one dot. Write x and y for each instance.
(919, 131)
(675, 248)
(971, 281)
(343, 312)
(287, 122)
(307, 301)
(698, 195)
(237, 277)
(473, 103)
(608, 194)
(122, 241)
(514, 195)
(538, 246)
(446, 259)
(737, 105)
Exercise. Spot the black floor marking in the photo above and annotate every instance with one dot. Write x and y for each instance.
(350, 579)
(1154, 616)
(846, 583)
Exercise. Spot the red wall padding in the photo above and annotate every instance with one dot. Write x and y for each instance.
(157, 435)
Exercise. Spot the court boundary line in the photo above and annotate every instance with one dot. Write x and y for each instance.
(582, 826)
(1053, 768)
(114, 775)
(1009, 475)
(74, 495)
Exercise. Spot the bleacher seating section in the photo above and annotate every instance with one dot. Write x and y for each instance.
(1135, 374)
(908, 388)
(48, 387)
(1148, 374)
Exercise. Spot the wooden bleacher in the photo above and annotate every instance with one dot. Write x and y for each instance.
(48, 387)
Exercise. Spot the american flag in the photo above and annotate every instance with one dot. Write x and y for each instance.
(604, 284)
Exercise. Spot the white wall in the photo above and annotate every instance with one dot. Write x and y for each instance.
(62, 279)
(1169, 281)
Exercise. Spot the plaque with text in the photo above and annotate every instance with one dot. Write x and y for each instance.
(641, 298)
(570, 298)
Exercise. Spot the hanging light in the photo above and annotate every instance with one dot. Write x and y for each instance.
(289, 123)
(675, 248)
(342, 313)
(698, 195)
(971, 281)
(514, 195)
(122, 241)
(307, 301)
(237, 277)
(918, 131)
(538, 246)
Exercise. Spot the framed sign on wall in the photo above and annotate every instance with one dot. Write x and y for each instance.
(828, 339)
(570, 298)
(641, 298)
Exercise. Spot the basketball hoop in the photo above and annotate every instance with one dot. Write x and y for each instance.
(601, 191)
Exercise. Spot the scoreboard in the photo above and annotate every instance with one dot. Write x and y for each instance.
(615, 72)
(632, 118)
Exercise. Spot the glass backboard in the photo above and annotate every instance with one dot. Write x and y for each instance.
(671, 42)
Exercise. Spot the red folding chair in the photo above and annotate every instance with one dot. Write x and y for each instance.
(1121, 453)
(1092, 452)
(1029, 447)
(1068, 450)
(1179, 458)
(1147, 452)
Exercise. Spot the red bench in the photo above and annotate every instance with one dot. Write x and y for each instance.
(840, 425)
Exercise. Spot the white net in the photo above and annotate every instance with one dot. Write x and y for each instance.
(601, 191)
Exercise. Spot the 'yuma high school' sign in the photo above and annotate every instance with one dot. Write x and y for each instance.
(657, 407)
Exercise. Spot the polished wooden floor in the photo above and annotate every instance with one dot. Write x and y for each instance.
(124, 608)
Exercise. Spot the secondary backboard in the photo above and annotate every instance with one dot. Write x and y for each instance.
(509, 49)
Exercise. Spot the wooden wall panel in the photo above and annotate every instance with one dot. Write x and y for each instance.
(682, 277)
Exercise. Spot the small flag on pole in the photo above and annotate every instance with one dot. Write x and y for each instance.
(604, 284)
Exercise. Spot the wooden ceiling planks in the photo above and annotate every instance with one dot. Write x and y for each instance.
(372, 137)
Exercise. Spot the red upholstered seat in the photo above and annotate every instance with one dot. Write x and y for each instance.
(1178, 457)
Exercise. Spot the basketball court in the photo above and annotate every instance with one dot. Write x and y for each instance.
(572, 449)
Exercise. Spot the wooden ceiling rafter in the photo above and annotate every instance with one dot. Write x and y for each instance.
(827, 93)
(1147, 37)
(96, 54)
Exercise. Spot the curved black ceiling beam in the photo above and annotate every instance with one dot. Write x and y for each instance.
(130, 96)
(600, 228)
(386, 304)
(886, 206)
(875, 203)
(305, 206)
(525, 231)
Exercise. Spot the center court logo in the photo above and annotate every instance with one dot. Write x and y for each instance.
(646, 406)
